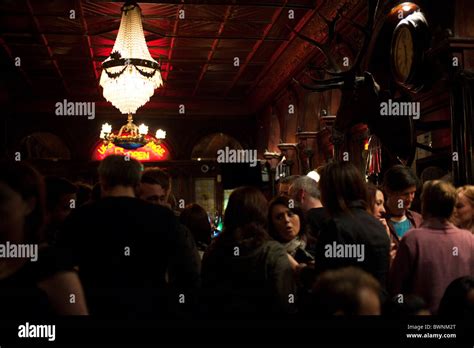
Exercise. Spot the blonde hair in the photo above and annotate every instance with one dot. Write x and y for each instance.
(468, 191)
(438, 199)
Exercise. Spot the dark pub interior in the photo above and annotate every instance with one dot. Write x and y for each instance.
(236, 166)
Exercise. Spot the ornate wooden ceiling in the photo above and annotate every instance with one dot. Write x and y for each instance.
(61, 54)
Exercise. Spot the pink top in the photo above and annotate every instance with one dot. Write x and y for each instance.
(429, 258)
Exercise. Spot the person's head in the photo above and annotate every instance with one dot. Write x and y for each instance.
(60, 199)
(346, 291)
(22, 204)
(464, 210)
(376, 201)
(406, 305)
(246, 205)
(285, 183)
(155, 186)
(341, 183)
(246, 216)
(195, 218)
(458, 299)
(119, 171)
(438, 199)
(399, 185)
(284, 223)
(83, 194)
(432, 173)
(305, 192)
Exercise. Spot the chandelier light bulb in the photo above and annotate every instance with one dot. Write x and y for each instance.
(106, 128)
(160, 134)
(143, 129)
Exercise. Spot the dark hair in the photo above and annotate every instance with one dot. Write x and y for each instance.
(115, 170)
(156, 176)
(455, 302)
(195, 218)
(341, 183)
(285, 201)
(411, 305)
(339, 289)
(372, 193)
(28, 182)
(399, 178)
(372, 196)
(438, 199)
(245, 218)
(432, 173)
(55, 188)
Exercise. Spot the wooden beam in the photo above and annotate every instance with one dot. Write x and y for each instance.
(20, 69)
(255, 47)
(45, 41)
(156, 106)
(172, 44)
(213, 49)
(241, 3)
(89, 46)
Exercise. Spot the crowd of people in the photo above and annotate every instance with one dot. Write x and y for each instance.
(337, 246)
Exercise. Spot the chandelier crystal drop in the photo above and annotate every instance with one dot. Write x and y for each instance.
(130, 75)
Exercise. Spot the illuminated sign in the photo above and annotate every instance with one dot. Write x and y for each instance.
(150, 152)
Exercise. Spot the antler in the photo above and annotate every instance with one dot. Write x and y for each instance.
(341, 78)
(325, 47)
(320, 87)
(366, 30)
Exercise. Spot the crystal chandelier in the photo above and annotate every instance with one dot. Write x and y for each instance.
(130, 75)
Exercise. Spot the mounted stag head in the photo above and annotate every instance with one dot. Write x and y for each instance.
(360, 93)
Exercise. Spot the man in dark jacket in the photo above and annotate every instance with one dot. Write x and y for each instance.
(305, 192)
(352, 236)
(123, 247)
(354, 239)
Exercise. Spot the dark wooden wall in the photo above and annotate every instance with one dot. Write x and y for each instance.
(452, 35)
